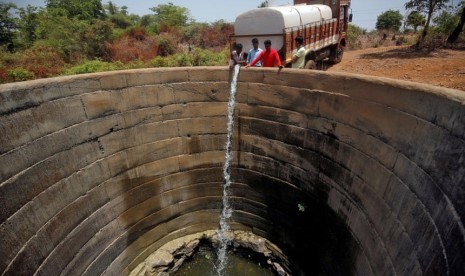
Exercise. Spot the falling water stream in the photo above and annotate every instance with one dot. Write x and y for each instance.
(226, 213)
(227, 263)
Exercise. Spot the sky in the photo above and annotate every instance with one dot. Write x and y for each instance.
(365, 12)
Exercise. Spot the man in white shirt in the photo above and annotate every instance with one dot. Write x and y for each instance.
(298, 60)
(237, 56)
(254, 52)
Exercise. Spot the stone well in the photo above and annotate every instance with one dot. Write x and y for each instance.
(348, 175)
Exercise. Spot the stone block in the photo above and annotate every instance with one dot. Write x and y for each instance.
(102, 103)
(200, 92)
(25, 126)
(24, 95)
(154, 76)
(194, 110)
(281, 97)
(210, 74)
(112, 80)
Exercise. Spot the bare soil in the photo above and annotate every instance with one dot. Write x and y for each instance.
(442, 67)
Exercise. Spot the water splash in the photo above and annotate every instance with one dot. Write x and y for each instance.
(226, 213)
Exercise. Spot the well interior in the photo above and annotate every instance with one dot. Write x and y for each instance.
(344, 173)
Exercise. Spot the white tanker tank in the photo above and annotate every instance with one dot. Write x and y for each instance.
(270, 22)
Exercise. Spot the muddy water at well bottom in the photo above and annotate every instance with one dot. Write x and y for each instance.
(203, 264)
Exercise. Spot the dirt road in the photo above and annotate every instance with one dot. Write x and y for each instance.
(444, 68)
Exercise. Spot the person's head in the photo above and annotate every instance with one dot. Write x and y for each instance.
(255, 43)
(267, 44)
(238, 47)
(299, 40)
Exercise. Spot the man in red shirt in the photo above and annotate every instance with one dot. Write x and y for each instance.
(269, 57)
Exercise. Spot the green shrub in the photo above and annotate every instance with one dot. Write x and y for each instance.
(209, 58)
(183, 60)
(198, 57)
(93, 66)
(354, 32)
(163, 62)
(9, 58)
(166, 46)
(135, 64)
(20, 74)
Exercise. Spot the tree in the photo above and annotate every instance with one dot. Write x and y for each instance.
(121, 21)
(8, 25)
(149, 22)
(445, 22)
(169, 15)
(80, 9)
(264, 4)
(118, 16)
(193, 32)
(27, 25)
(111, 8)
(459, 28)
(425, 6)
(389, 20)
(415, 19)
(124, 10)
(57, 30)
(95, 39)
(74, 39)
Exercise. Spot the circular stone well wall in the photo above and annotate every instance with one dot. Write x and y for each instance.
(348, 175)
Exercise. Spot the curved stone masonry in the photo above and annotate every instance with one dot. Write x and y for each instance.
(346, 174)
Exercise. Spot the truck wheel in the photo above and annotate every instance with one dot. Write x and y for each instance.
(310, 65)
(337, 55)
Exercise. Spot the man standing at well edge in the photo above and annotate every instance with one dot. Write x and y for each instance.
(298, 60)
(254, 52)
(269, 57)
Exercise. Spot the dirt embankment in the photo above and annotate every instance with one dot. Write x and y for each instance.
(442, 67)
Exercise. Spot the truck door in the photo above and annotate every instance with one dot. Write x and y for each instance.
(342, 19)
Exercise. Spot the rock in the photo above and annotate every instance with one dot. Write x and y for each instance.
(279, 270)
(161, 259)
(253, 242)
(178, 263)
(187, 248)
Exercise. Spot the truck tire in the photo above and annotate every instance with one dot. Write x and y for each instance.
(310, 64)
(338, 52)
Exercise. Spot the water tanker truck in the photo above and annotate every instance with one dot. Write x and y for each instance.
(321, 23)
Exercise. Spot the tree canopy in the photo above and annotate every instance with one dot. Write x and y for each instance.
(264, 4)
(81, 9)
(389, 20)
(429, 7)
(415, 19)
(8, 25)
(426, 6)
(170, 15)
(460, 25)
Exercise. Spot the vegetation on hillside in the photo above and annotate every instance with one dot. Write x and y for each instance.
(83, 36)
(75, 36)
(429, 24)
